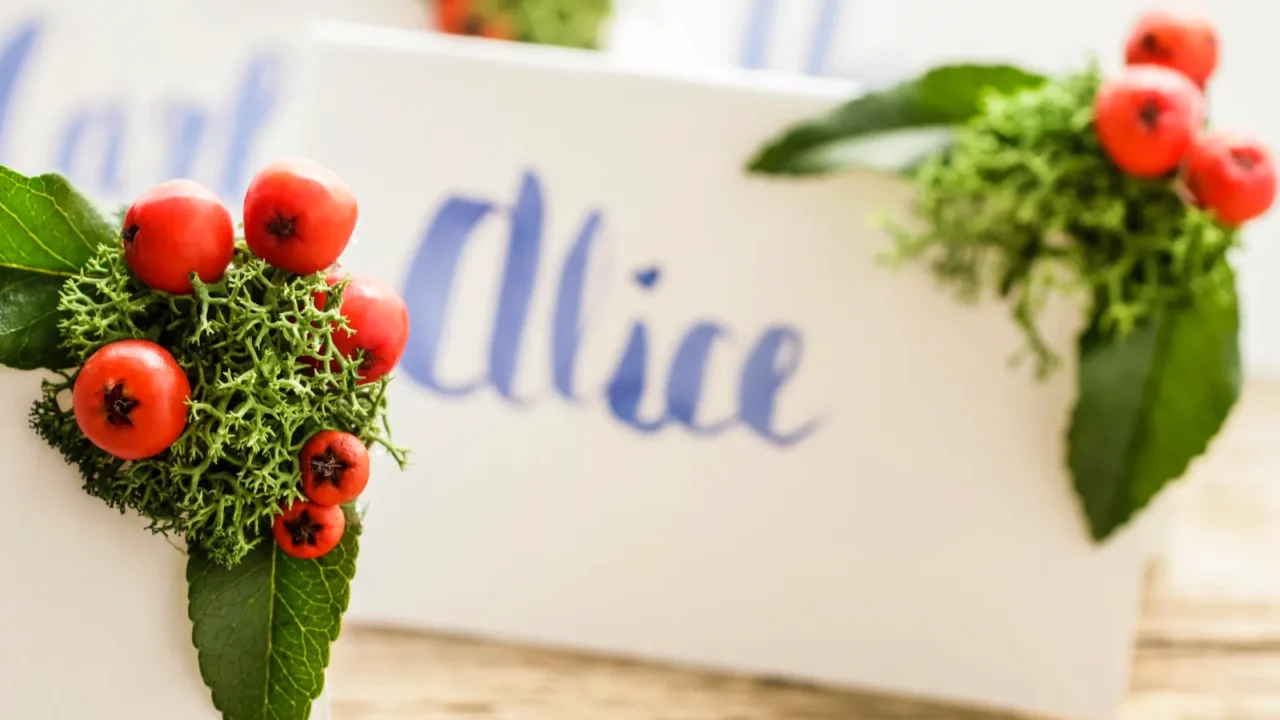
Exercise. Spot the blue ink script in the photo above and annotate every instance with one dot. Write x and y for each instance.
(773, 359)
(96, 134)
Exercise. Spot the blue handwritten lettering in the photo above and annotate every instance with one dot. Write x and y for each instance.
(761, 24)
(255, 105)
(823, 34)
(567, 321)
(430, 286)
(106, 122)
(523, 252)
(774, 360)
(626, 389)
(95, 136)
(758, 26)
(771, 363)
(688, 373)
(14, 56)
(186, 128)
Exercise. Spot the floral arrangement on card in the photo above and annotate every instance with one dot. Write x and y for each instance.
(227, 389)
(566, 23)
(1112, 190)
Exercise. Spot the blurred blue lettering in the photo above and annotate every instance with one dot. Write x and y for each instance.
(106, 123)
(771, 363)
(185, 126)
(95, 139)
(761, 23)
(15, 53)
(566, 332)
(255, 105)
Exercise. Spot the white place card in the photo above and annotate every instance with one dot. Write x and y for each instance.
(662, 409)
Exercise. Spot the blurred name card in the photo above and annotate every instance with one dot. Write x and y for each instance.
(796, 36)
(121, 95)
(662, 409)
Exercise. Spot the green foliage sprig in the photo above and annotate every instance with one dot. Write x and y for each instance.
(1015, 196)
(265, 376)
(1026, 202)
(244, 342)
(564, 23)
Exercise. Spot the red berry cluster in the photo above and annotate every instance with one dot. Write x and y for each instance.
(1150, 119)
(461, 17)
(335, 470)
(130, 398)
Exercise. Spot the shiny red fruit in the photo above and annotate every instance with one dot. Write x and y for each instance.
(335, 468)
(1232, 175)
(1182, 42)
(1146, 119)
(130, 399)
(306, 530)
(377, 325)
(298, 216)
(174, 229)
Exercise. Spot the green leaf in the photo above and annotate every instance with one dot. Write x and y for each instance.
(47, 226)
(927, 109)
(263, 628)
(1148, 405)
(48, 231)
(29, 336)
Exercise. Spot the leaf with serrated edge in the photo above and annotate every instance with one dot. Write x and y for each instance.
(1148, 405)
(47, 226)
(937, 101)
(263, 628)
(48, 230)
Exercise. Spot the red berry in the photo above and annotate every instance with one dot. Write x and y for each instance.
(1146, 119)
(174, 229)
(453, 16)
(1232, 175)
(335, 468)
(1186, 43)
(298, 216)
(307, 531)
(377, 325)
(461, 17)
(130, 399)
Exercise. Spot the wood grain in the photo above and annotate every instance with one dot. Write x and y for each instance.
(1208, 648)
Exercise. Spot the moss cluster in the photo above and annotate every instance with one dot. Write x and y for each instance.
(566, 23)
(244, 343)
(1026, 201)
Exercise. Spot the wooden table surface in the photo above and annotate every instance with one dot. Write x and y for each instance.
(1209, 647)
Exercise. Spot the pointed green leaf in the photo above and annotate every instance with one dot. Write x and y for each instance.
(47, 226)
(263, 628)
(48, 230)
(29, 336)
(1148, 405)
(921, 115)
